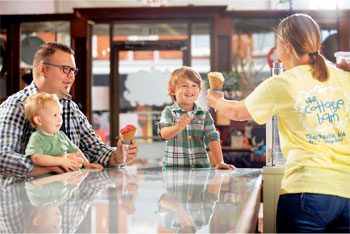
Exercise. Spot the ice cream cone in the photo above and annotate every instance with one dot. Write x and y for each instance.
(128, 136)
(128, 133)
(216, 80)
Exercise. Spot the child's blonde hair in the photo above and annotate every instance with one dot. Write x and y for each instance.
(180, 73)
(35, 102)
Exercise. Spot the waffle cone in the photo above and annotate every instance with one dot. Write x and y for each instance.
(128, 136)
(216, 80)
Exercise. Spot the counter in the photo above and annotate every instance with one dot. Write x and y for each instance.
(133, 200)
(272, 186)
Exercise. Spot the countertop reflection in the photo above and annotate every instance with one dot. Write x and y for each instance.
(133, 200)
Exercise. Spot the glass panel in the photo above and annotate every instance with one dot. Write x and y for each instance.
(100, 80)
(33, 34)
(200, 46)
(141, 104)
(139, 70)
(252, 40)
(144, 94)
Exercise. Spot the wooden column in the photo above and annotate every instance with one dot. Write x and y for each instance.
(222, 43)
(13, 46)
(344, 31)
(81, 44)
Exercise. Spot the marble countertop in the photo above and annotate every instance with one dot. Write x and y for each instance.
(133, 200)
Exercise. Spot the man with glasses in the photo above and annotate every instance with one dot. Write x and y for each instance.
(53, 72)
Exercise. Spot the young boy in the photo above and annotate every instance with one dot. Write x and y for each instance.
(44, 112)
(187, 127)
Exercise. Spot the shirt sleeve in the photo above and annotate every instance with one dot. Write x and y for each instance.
(261, 103)
(90, 143)
(72, 148)
(166, 120)
(210, 132)
(35, 145)
(13, 137)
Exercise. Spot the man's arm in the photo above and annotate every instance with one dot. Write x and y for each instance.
(14, 134)
(85, 138)
(91, 144)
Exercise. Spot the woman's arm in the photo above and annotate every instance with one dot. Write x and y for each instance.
(235, 110)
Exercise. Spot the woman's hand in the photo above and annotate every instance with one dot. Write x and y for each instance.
(213, 97)
(344, 65)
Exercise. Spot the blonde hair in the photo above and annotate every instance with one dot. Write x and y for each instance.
(181, 73)
(303, 33)
(35, 102)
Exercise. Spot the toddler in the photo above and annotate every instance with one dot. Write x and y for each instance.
(44, 112)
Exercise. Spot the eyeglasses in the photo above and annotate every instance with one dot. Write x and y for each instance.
(65, 69)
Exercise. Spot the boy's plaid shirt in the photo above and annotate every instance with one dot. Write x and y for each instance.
(188, 148)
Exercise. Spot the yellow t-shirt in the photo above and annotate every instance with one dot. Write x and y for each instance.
(314, 128)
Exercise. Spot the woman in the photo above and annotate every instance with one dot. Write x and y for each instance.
(312, 103)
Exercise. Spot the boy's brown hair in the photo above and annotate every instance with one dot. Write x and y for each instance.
(181, 73)
(35, 102)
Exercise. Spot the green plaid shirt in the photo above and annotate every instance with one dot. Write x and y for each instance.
(188, 148)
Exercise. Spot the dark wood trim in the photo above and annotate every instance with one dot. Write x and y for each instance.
(222, 40)
(187, 54)
(154, 13)
(6, 20)
(151, 45)
(344, 31)
(114, 95)
(13, 45)
(81, 44)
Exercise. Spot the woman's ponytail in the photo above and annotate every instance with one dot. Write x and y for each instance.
(305, 37)
(319, 67)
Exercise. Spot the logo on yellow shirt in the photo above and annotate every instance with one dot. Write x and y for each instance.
(323, 109)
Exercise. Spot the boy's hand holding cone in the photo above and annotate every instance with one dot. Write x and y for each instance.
(216, 80)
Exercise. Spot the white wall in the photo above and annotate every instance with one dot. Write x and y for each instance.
(66, 6)
(16, 7)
